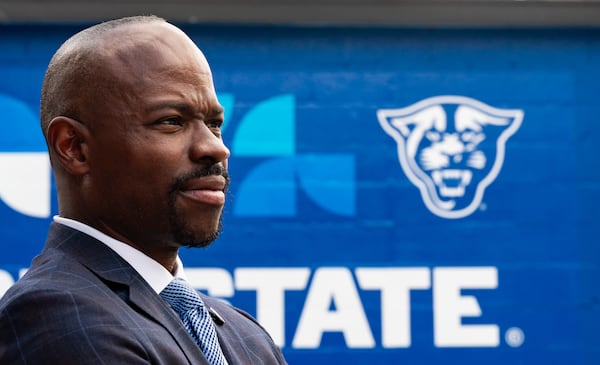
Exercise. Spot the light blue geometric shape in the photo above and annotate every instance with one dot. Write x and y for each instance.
(21, 126)
(329, 181)
(269, 190)
(268, 129)
(227, 101)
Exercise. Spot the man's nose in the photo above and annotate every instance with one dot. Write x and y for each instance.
(206, 145)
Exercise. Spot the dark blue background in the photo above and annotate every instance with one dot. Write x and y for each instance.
(539, 226)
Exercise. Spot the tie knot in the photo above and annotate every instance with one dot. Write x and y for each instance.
(181, 296)
(186, 301)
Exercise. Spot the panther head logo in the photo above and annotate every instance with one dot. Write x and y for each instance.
(451, 148)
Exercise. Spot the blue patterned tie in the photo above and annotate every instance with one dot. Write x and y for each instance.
(196, 319)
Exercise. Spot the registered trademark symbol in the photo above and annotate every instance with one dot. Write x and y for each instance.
(483, 207)
(514, 337)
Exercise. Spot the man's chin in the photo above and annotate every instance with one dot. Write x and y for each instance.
(196, 231)
(197, 240)
(202, 244)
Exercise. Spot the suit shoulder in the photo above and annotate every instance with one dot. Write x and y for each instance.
(53, 325)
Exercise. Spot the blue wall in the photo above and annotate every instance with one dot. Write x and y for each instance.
(332, 241)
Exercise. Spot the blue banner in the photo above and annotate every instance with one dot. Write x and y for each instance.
(398, 195)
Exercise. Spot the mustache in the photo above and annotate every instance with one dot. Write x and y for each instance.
(213, 170)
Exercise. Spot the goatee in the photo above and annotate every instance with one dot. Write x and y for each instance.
(181, 230)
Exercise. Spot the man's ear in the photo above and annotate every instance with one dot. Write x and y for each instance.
(68, 142)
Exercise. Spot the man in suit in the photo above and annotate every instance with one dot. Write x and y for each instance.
(132, 123)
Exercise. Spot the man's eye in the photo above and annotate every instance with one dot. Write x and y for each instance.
(214, 124)
(172, 121)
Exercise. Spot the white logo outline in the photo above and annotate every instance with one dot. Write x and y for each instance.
(25, 176)
(424, 183)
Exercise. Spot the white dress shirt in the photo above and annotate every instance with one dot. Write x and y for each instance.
(156, 275)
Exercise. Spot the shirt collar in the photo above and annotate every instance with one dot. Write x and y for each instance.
(156, 275)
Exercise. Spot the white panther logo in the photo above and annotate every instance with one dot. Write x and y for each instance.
(451, 148)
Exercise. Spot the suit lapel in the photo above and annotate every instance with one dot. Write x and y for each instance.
(112, 269)
(142, 296)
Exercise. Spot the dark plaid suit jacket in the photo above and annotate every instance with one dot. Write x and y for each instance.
(81, 303)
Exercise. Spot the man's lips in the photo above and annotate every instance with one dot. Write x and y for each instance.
(207, 189)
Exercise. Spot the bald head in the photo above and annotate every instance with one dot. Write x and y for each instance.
(78, 73)
(133, 126)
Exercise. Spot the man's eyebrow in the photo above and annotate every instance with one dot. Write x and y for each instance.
(182, 108)
(216, 111)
